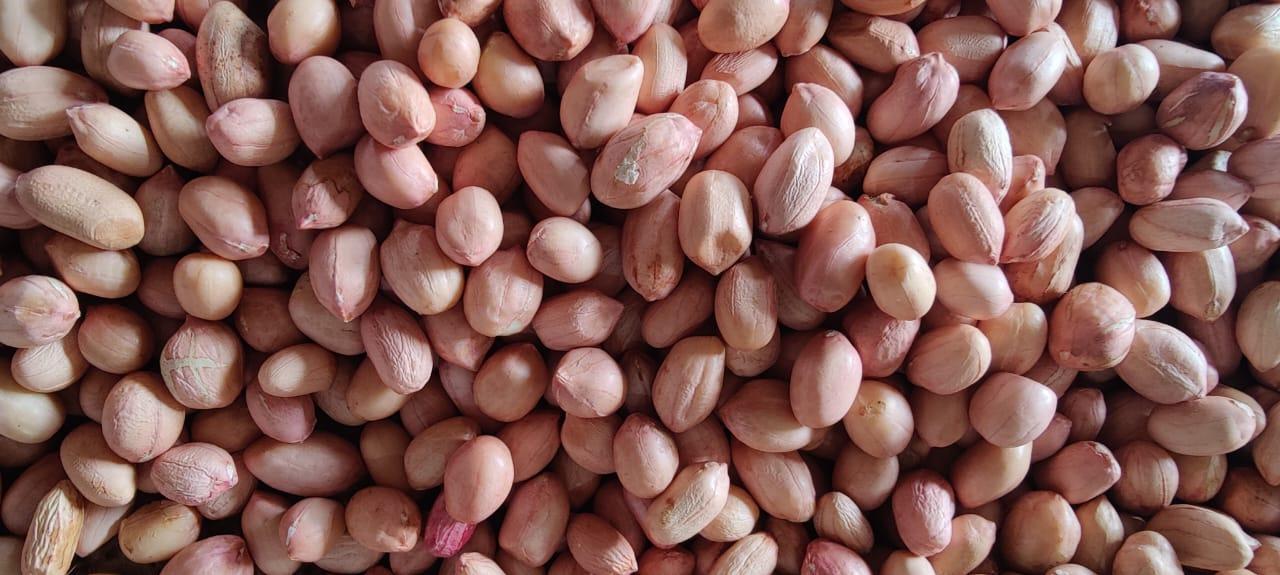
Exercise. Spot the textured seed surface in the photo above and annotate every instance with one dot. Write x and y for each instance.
(639, 286)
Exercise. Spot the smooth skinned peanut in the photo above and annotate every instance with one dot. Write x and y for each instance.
(524, 252)
(33, 32)
(324, 101)
(715, 220)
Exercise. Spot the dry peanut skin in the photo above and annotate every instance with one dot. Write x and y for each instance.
(728, 287)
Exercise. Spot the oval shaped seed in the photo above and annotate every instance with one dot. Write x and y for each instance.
(232, 56)
(833, 256)
(323, 465)
(1202, 224)
(477, 479)
(1164, 365)
(1010, 410)
(923, 507)
(1039, 531)
(1210, 425)
(880, 422)
(1091, 328)
(146, 61)
(35, 99)
(81, 205)
(922, 92)
(966, 219)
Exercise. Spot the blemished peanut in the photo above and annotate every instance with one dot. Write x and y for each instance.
(57, 522)
(157, 531)
(141, 420)
(616, 286)
(35, 99)
(383, 519)
(194, 473)
(233, 59)
(101, 476)
(81, 205)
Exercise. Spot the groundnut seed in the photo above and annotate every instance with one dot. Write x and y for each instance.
(580, 318)
(1027, 70)
(332, 465)
(225, 553)
(1010, 410)
(57, 522)
(788, 198)
(324, 102)
(1097, 327)
(833, 256)
(102, 477)
(779, 482)
(972, 290)
(80, 205)
(1206, 426)
(477, 479)
(746, 306)
(641, 238)
(204, 204)
(1253, 325)
(1203, 538)
(587, 383)
(36, 98)
(34, 32)
(260, 524)
(140, 419)
(967, 219)
(297, 29)
(1206, 224)
(158, 531)
(194, 473)
(1040, 529)
(715, 220)
(232, 56)
(922, 92)
(564, 250)
(501, 294)
(1164, 365)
